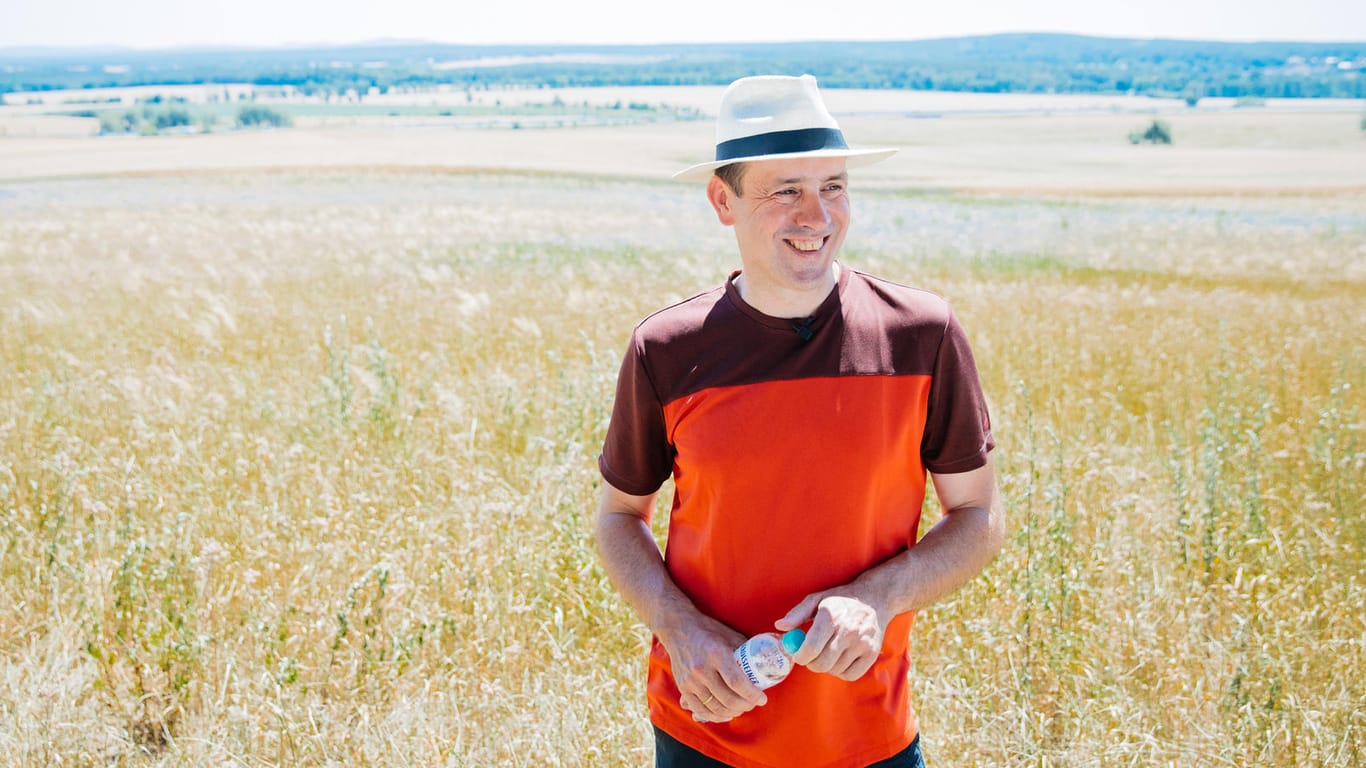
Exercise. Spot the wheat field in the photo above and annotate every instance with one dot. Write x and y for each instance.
(296, 465)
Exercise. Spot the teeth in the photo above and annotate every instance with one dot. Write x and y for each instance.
(807, 245)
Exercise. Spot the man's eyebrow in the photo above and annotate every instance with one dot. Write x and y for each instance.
(844, 176)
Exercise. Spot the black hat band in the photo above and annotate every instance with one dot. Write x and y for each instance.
(781, 143)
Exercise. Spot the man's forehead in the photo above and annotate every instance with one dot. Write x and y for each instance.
(794, 169)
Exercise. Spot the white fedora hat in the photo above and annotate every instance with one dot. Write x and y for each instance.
(770, 117)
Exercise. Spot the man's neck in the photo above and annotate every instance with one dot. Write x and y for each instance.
(779, 302)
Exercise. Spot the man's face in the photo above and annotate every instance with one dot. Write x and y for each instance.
(789, 220)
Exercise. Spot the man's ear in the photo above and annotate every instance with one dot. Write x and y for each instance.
(722, 199)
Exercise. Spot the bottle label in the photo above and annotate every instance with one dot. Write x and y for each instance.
(763, 661)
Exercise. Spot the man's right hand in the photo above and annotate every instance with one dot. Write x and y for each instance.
(711, 685)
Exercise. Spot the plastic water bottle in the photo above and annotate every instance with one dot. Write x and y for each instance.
(766, 659)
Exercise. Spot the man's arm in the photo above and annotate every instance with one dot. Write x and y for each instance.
(700, 648)
(848, 622)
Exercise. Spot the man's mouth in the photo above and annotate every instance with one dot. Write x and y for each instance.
(806, 243)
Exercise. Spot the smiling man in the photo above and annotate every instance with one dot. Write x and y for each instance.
(789, 224)
(800, 408)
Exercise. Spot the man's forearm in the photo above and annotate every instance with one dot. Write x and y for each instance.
(634, 565)
(848, 623)
(710, 683)
(958, 547)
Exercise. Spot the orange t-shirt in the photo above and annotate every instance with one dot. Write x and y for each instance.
(799, 453)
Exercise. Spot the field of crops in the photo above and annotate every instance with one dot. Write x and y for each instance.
(296, 465)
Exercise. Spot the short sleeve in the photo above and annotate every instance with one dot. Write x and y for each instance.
(957, 426)
(636, 456)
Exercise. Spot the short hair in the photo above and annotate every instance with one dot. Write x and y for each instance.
(733, 174)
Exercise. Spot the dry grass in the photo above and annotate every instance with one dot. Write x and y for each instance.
(979, 142)
(295, 469)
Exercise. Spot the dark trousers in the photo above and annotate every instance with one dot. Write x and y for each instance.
(669, 753)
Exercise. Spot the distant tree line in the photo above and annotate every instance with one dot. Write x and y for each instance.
(1019, 63)
(153, 116)
(262, 117)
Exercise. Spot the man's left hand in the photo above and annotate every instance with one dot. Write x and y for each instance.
(845, 637)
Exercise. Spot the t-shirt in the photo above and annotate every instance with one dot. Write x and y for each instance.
(799, 452)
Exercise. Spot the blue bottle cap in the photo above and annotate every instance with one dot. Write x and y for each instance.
(792, 640)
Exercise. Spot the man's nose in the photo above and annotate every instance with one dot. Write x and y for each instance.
(812, 213)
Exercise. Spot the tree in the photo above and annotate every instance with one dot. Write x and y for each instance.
(172, 118)
(250, 117)
(1158, 133)
(1193, 93)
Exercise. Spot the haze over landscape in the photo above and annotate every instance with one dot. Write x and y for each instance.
(170, 23)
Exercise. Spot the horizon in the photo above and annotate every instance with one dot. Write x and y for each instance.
(162, 25)
(389, 42)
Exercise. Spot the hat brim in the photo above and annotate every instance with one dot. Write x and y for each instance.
(857, 158)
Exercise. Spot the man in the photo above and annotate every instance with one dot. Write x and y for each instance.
(798, 408)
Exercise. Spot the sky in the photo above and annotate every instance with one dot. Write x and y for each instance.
(151, 24)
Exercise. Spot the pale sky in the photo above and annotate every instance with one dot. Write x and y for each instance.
(170, 23)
